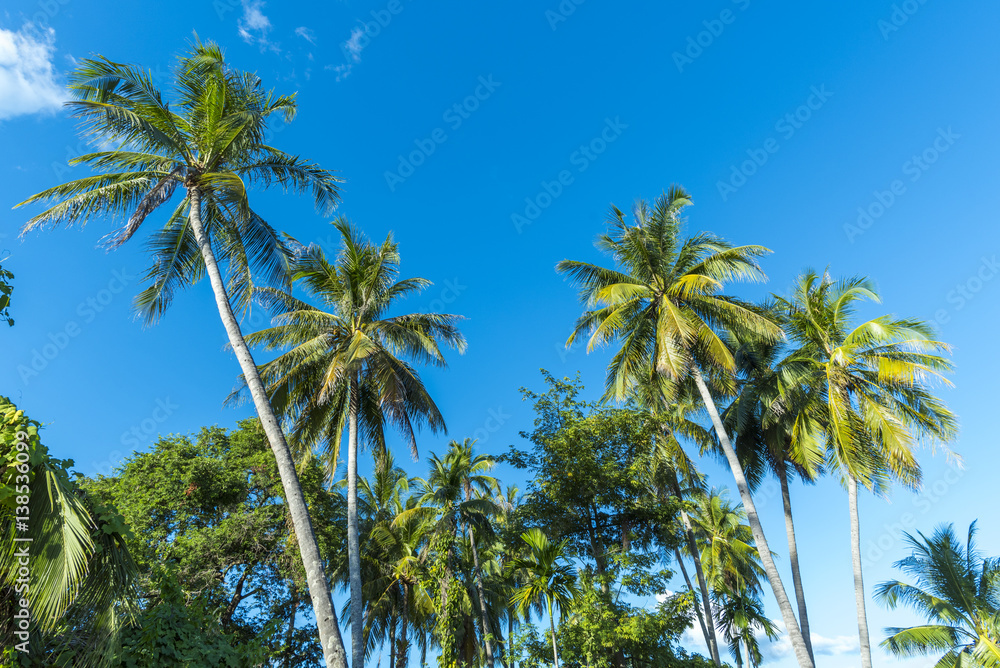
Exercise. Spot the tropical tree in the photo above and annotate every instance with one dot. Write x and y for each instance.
(871, 381)
(210, 142)
(546, 579)
(81, 584)
(777, 430)
(957, 591)
(5, 292)
(663, 302)
(347, 364)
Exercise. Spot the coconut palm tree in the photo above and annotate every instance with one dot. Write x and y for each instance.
(665, 305)
(209, 142)
(459, 494)
(777, 429)
(740, 618)
(346, 364)
(546, 579)
(957, 591)
(873, 390)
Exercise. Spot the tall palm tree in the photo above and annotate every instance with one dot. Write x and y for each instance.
(777, 429)
(347, 364)
(957, 591)
(546, 579)
(209, 142)
(459, 493)
(663, 301)
(873, 387)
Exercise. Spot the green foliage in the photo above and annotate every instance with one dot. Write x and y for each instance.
(81, 580)
(212, 508)
(175, 633)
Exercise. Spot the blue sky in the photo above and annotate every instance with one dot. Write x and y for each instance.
(491, 140)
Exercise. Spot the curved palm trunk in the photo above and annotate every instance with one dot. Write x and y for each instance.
(859, 584)
(552, 625)
(706, 602)
(793, 557)
(319, 588)
(697, 609)
(787, 613)
(353, 541)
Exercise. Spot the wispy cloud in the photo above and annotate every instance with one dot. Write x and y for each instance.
(306, 34)
(254, 25)
(776, 650)
(27, 78)
(352, 49)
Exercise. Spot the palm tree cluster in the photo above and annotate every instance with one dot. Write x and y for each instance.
(794, 387)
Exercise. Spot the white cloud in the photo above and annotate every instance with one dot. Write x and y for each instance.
(352, 49)
(776, 650)
(306, 34)
(27, 80)
(254, 24)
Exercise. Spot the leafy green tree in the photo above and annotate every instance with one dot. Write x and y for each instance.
(957, 590)
(81, 584)
(872, 382)
(212, 508)
(347, 365)
(210, 142)
(546, 579)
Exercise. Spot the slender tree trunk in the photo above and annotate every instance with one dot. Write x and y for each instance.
(793, 557)
(552, 625)
(859, 584)
(484, 619)
(706, 601)
(353, 539)
(787, 613)
(319, 588)
(402, 654)
(392, 641)
(510, 638)
(697, 608)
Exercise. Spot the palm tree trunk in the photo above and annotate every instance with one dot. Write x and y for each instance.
(787, 613)
(484, 619)
(402, 654)
(697, 608)
(392, 641)
(291, 626)
(793, 557)
(859, 584)
(353, 540)
(510, 638)
(710, 638)
(552, 625)
(334, 655)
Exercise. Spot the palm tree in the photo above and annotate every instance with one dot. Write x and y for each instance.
(957, 591)
(777, 429)
(545, 579)
(82, 579)
(448, 494)
(347, 364)
(664, 302)
(871, 382)
(210, 142)
(740, 617)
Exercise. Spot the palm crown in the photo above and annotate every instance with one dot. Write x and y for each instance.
(211, 140)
